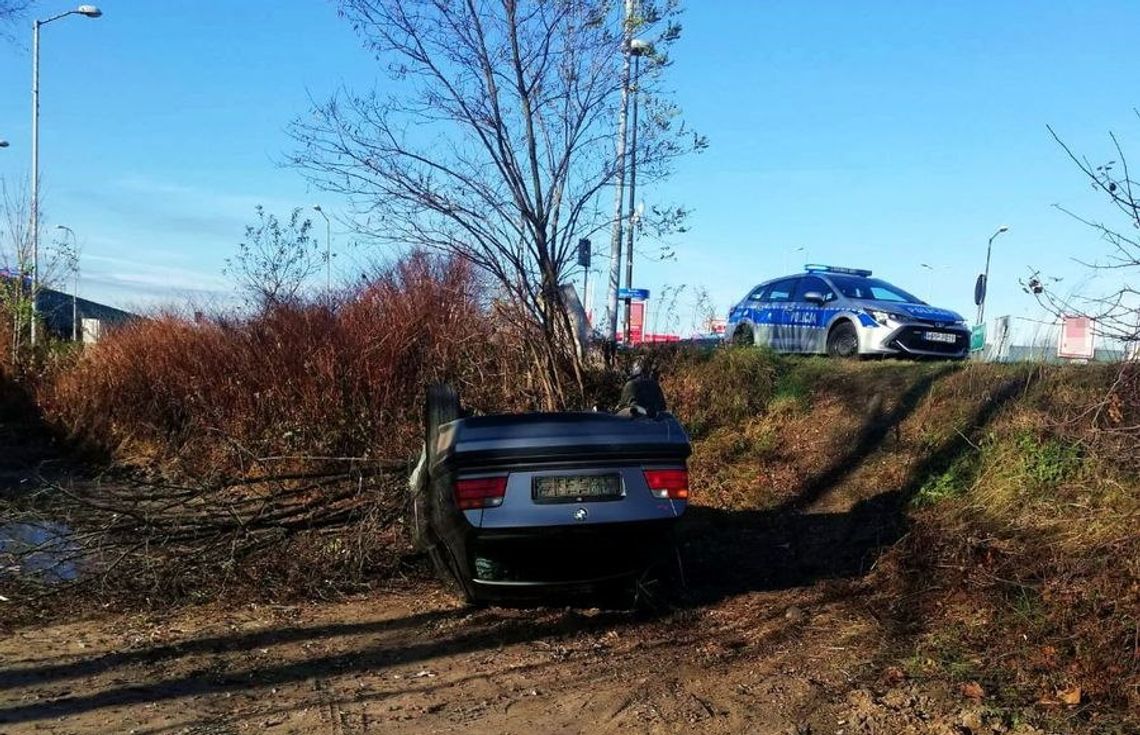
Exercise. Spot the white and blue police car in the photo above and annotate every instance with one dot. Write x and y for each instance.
(846, 313)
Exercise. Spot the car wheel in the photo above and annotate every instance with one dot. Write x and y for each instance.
(743, 336)
(441, 406)
(843, 340)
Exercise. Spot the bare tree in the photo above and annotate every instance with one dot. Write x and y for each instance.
(1117, 313)
(274, 260)
(16, 287)
(11, 13)
(494, 140)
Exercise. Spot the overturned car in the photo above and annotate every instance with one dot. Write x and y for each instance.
(518, 506)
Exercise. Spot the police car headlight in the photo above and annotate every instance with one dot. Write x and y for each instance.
(883, 317)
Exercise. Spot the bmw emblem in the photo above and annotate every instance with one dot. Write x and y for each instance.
(580, 514)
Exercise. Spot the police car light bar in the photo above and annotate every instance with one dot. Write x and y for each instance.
(816, 268)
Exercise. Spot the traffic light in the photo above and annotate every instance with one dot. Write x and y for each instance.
(584, 253)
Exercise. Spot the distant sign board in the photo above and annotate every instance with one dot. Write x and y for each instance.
(636, 322)
(1077, 338)
(978, 338)
(634, 294)
(1002, 328)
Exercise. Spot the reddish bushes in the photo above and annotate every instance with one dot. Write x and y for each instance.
(329, 379)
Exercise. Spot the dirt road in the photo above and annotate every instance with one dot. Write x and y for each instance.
(780, 662)
(753, 651)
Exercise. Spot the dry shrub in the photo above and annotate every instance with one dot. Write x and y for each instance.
(287, 433)
(328, 379)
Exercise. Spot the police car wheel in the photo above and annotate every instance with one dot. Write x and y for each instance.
(743, 336)
(843, 341)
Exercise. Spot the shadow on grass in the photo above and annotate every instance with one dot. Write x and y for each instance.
(731, 552)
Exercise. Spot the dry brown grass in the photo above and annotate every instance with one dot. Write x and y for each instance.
(330, 379)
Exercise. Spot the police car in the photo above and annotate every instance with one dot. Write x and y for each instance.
(845, 312)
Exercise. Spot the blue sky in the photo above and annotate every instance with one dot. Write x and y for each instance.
(876, 134)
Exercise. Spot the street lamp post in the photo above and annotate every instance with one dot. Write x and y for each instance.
(73, 261)
(930, 271)
(619, 179)
(89, 11)
(986, 274)
(637, 49)
(328, 247)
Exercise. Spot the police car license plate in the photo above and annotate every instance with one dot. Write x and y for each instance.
(946, 337)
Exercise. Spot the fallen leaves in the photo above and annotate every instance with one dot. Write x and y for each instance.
(1070, 696)
(972, 690)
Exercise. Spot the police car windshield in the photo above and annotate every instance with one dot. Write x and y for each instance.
(871, 289)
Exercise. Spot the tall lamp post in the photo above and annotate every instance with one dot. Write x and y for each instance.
(930, 271)
(328, 247)
(619, 179)
(637, 49)
(89, 11)
(985, 287)
(73, 261)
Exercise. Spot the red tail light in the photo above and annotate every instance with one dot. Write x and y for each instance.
(482, 492)
(671, 484)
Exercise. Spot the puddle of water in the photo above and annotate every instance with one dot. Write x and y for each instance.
(43, 550)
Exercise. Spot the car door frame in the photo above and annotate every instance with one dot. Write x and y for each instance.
(780, 311)
(808, 321)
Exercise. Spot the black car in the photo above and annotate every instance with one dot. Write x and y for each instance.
(531, 505)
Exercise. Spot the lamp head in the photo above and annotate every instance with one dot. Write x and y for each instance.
(638, 47)
(89, 10)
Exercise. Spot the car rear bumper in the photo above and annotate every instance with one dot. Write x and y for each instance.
(561, 557)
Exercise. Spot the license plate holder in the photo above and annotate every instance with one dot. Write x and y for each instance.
(576, 488)
(944, 337)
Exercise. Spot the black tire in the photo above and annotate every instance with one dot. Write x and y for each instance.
(441, 406)
(843, 340)
(743, 336)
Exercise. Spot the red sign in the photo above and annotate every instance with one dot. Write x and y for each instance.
(636, 322)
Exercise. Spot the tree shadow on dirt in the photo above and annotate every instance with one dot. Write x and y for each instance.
(727, 553)
(732, 552)
(486, 631)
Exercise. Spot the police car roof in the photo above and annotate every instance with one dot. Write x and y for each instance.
(815, 268)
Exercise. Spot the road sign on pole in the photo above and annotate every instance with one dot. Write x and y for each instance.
(978, 338)
(634, 294)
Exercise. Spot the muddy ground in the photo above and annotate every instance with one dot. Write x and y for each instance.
(780, 632)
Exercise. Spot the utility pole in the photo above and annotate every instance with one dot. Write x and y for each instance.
(637, 48)
(328, 247)
(619, 177)
(73, 261)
